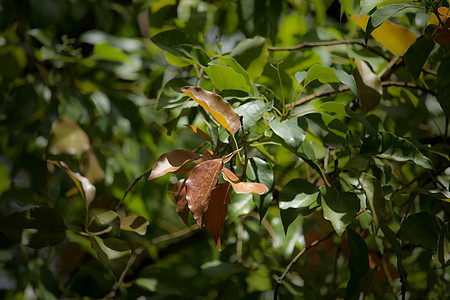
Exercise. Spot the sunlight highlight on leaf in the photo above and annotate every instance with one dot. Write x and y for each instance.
(171, 161)
(243, 187)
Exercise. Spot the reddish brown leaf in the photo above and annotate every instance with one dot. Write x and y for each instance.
(200, 133)
(207, 155)
(199, 186)
(217, 211)
(180, 198)
(171, 161)
(219, 108)
(243, 187)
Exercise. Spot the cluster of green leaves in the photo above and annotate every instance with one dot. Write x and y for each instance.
(339, 108)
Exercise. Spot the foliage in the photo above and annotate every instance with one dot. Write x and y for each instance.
(310, 138)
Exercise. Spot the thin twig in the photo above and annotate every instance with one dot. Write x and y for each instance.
(244, 137)
(330, 43)
(389, 66)
(131, 186)
(294, 260)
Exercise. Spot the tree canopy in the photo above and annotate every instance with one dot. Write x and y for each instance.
(244, 149)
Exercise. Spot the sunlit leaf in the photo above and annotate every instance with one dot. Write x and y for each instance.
(243, 187)
(107, 52)
(232, 63)
(182, 204)
(217, 211)
(66, 137)
(374, 197)
(417, 55)
(86, 188)
(339, 208)
(253, 111)
(346, 79)
(358, 262)
(219, 108)
(397, 39)
(322, 73)
(171, 161)
(199, 186)
(422, 229)
(368, 86)
(200, 133)
(37, 227)
(225, 78)
(443, 84)
(136, 224)
(252, 54)
(293, 131)
(109, 217)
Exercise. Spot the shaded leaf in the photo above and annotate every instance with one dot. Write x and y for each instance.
(109, 217)
(86, 188)
(200, 133)
(199, 186)
(253, 111)
(37, 227)
(374, 196)
(67, 138)
(217, 211)
(397, 39)
(421, 229)
(91, 168)
(358, 262)
(182, 204)
(368, 86)
(171, 161)
(442, 34)
(110, 248)
(390, 236)
(169, 96)
(417, 55)
(252, 54)
(243, 187)
(443, 84)
(293, 131)
(170, 40)
(259, 170)
(137, 224)
(339, 208)
(219, 108)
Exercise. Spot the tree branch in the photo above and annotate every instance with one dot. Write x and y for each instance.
(131, 186)
(294, 260)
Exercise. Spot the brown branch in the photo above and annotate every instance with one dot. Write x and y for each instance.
(346, 89)
(244, 137)
(294, 260)
(131, 186)
(330, 43)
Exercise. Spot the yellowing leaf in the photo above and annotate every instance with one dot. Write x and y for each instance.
(137, 224)
(219, 108)
(243, 187)
(199, 186)
(217, 211)
(171, 161)
(396, 38)
(66, 137)
(83, 184)
(368, 86)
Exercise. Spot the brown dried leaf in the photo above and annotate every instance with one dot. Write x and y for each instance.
(66, 137)
(171, 161)
(180, 198)
(219, 108)
(208, 155)
(200, 133)
(243, 187)
(199, 186)
(217, 211)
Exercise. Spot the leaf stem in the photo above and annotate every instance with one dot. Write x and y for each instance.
(131, 186)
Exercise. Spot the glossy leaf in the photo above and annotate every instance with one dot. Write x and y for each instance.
(339, 208)
(417, 55)
(182, 204)
(252, 111)
(421, 229)
(219, 108)
(86, 188)
(368, 86)
(259, 170)
(225, 78)
(443, 84)
(243, 187)
(252, 54)
(397, 39)
(199, 186)
(67, 138)
(217, 211)
(136, 224)
(374, 197)
(171, 161)
(358, 262)
(292, 131)
(37, 227)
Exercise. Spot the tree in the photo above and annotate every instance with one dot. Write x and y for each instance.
(310, 138)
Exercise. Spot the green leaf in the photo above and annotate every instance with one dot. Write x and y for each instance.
(299, 198)
(4, 180)
(345, 4)
(322, 73)
(252, 54)
(346, 79)
(169, 96)
(293, 131)
(417, 55)
(421, 229)
(107, 52)
(110, 248)
(37, 227)
(252, 111)
(390, 236)
(367, 6)
(339, 208)
(443, 84)
(111, 218)
(374, 196)
(225, 78)
(170, 39)
(260, 171)
(232, 63)
(358, 262)
(137, 224)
